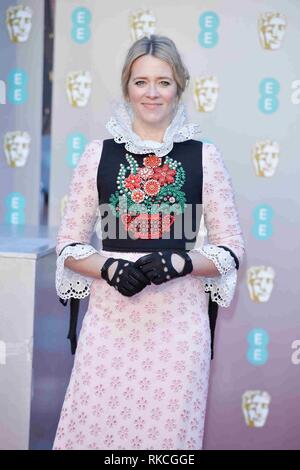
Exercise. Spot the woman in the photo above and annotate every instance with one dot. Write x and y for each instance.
(140, 375)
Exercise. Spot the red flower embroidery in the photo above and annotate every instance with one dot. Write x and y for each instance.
(137, 195)
(145, 172)
(164, 174)
(152, 161)
(151, 187)
(133, 181)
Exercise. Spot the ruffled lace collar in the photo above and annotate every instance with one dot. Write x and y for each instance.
(120, 127)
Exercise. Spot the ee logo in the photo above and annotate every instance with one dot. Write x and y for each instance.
(76, 143)
(209, 23)
(268, 102)
(81, 18)
(15, 209)
(258, 340)
(17, 86)
(262, 228)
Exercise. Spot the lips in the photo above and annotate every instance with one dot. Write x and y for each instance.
(151, 105)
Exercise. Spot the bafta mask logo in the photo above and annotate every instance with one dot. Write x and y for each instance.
(271, 28)
(142, 23)
(265, 156)
(255, 406)
(19, 22)
(79, 86)
(16, 148)
(206, 91)
(260, 280)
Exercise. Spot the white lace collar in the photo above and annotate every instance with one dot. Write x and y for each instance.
(120, 127)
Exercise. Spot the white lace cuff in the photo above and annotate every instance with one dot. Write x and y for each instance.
(68, 283)
(221, 287)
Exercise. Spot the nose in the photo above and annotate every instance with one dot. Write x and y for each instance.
(152, 91)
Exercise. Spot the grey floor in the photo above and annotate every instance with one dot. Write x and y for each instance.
(52, 364)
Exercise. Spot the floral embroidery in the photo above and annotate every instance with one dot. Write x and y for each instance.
(137, 195)
(164, 174)
(148, 198)
(145, 173)
(152, 187)
(133, 181)
(152, 161)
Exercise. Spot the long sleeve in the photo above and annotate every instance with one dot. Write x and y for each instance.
(78, 223)
(222, 226)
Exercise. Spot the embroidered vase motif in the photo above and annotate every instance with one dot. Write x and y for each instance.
(148, 197)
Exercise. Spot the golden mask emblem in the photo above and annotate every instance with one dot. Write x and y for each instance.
(16, 148)
(260, 281)
(271, 29)
(205, 92)
(255, 406)
(19, 23)
(265, 157)
(142, 23)
(79, 86)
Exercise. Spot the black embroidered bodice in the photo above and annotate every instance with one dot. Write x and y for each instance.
(150, 203)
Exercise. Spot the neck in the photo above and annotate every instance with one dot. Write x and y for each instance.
(149, 133)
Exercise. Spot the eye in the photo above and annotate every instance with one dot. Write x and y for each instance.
(139, 82)
(165, 83)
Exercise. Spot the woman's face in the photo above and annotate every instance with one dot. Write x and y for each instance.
(152, 91)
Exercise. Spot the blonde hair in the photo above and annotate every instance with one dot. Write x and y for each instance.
(162, 48)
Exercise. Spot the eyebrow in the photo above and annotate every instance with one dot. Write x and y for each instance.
(159, 78)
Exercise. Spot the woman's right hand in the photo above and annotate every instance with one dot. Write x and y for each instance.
(124, 276)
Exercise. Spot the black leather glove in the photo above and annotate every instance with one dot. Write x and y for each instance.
(127, 278)
(158, 266)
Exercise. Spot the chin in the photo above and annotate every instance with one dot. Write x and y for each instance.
(154, 116)
(153, 120)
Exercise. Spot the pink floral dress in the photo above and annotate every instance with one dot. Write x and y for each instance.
(141, 369)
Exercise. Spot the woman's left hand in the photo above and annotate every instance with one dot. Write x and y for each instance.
(161, 266)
